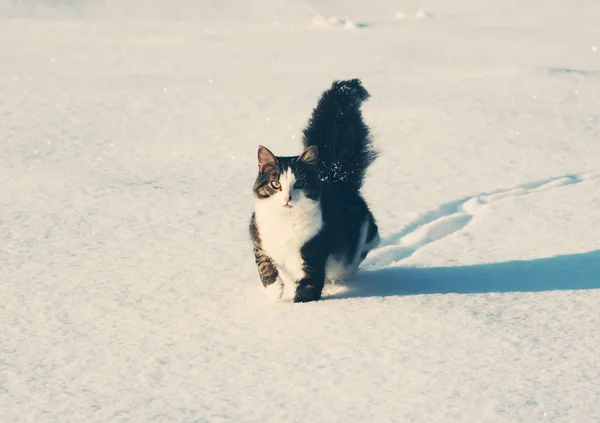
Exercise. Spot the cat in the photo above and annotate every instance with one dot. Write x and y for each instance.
(310, 223)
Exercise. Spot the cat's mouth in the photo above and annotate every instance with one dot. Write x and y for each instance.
(287, 206)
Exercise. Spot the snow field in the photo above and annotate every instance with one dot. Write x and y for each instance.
(127, 152)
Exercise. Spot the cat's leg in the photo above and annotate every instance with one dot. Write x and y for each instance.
(269, 275)
(335, 269)
(368, 240)
(310, 285)
(372, 239)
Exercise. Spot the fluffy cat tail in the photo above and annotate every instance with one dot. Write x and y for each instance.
(343, 140)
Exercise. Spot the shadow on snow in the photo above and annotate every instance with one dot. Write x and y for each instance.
(567, 272)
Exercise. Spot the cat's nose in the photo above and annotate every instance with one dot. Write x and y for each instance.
(287, 199)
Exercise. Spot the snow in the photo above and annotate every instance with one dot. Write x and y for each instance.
(128, 137)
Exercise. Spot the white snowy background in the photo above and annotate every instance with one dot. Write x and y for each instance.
(128, 136)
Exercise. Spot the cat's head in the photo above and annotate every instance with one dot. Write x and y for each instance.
(287, 182)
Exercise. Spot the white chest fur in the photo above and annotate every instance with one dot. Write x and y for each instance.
(283, 232)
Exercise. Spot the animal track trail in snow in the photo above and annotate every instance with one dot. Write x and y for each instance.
(452, 217)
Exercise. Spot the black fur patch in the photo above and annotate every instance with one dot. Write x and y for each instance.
(337, 128)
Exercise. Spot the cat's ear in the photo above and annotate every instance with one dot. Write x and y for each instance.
(265, 158)
(310, 155)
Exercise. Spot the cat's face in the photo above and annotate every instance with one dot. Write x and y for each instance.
(287, 182)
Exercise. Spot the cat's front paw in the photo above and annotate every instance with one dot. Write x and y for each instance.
(307, 293)
(274, 291)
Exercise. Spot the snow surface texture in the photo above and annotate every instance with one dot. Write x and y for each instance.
(128, 139)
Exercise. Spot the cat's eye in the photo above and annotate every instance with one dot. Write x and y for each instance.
(299, 184)
(275, 184)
